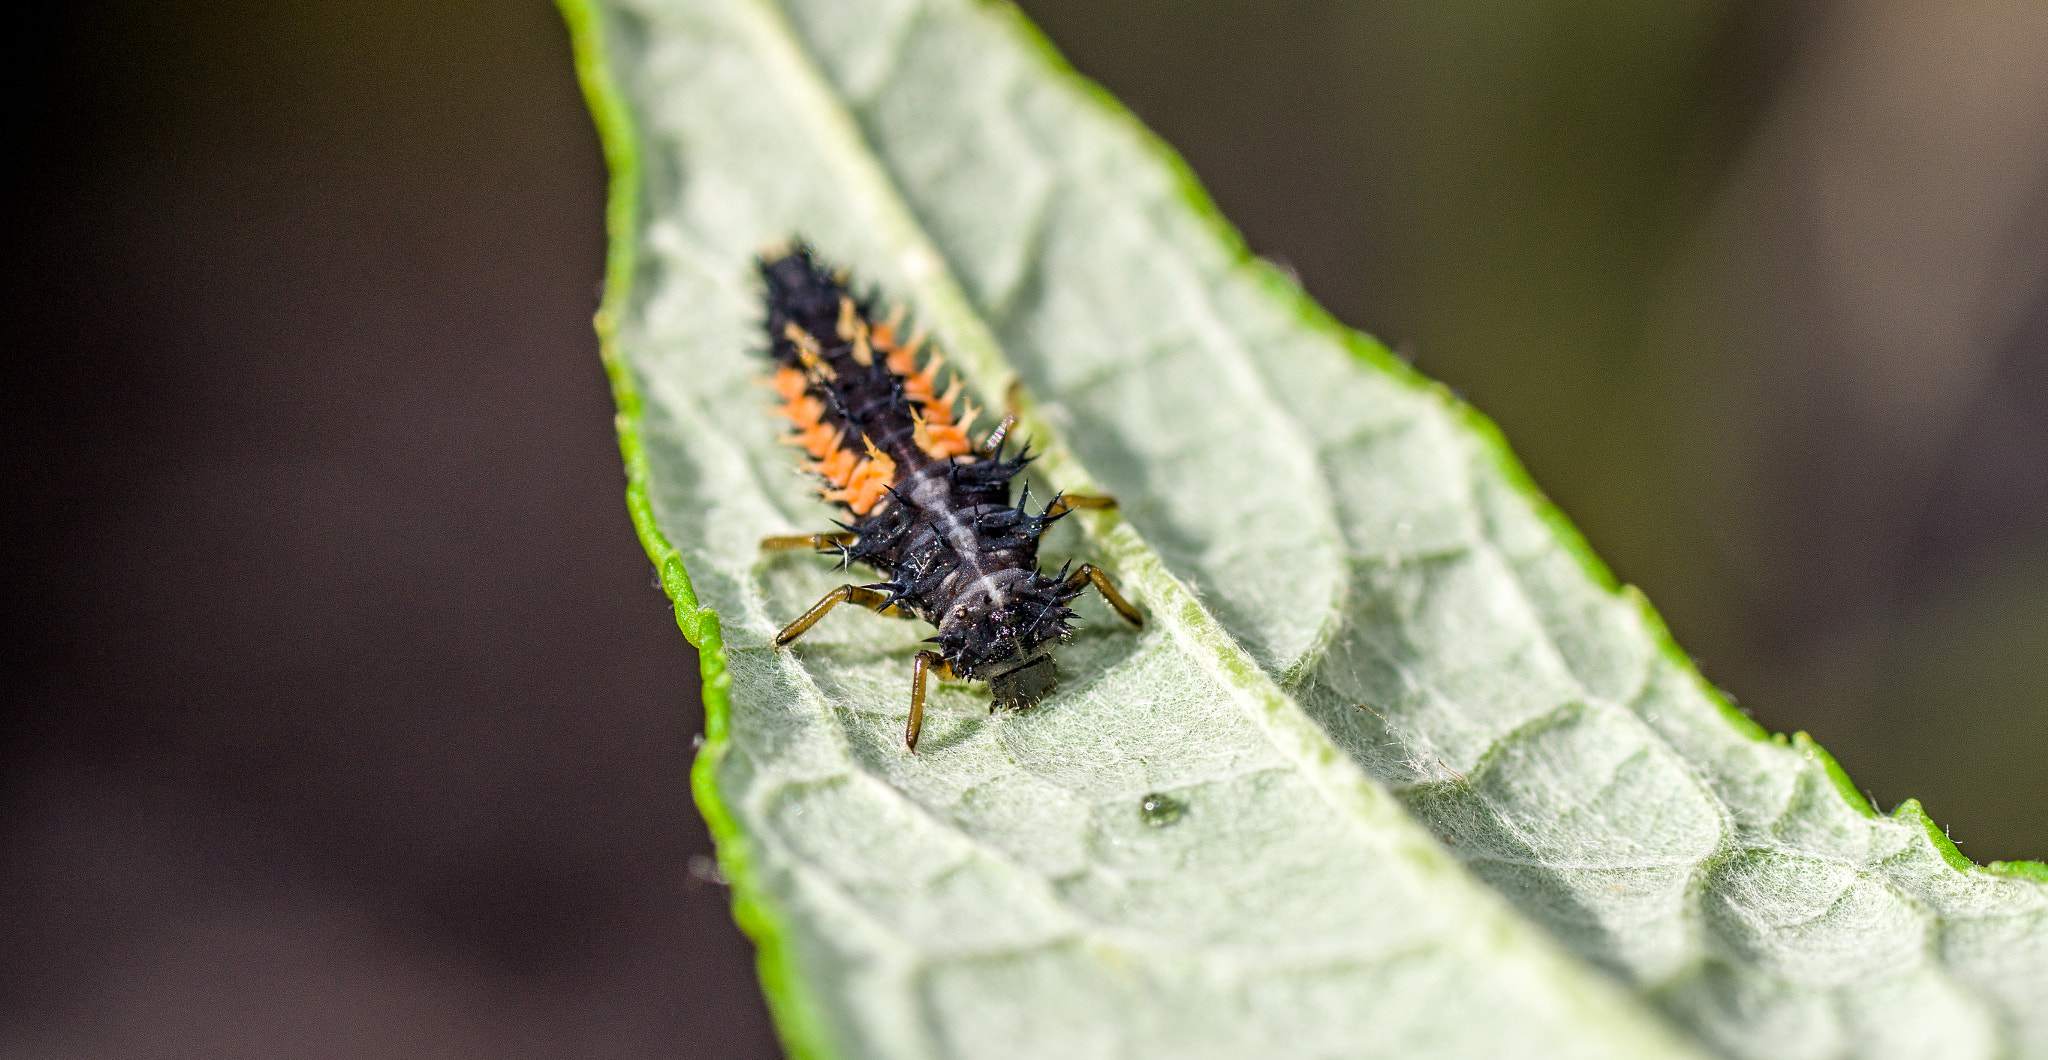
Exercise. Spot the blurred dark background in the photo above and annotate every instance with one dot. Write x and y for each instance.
(343, 719)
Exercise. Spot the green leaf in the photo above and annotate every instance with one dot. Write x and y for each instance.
(1420, 736)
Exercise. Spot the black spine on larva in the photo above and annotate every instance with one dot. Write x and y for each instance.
(954, 550)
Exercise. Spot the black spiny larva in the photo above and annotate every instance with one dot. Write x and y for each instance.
(929, 510)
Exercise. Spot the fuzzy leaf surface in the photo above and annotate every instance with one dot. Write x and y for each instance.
(1366, 627)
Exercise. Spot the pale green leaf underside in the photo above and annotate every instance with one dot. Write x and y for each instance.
(1379, 594)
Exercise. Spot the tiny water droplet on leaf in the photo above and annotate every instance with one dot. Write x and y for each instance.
(1160, 810)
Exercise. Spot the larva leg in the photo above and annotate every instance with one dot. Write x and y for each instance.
(785, 542)
(846, 594)
(1067, 502)
(1089, 573)
(925, 662)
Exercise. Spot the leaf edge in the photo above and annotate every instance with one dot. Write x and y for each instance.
(796, 1019)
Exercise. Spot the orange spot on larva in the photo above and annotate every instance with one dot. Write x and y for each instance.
(837, 467)
(818, 441)
(909, 349)
(790, 384)
(941, 410)
(868, 482)
(885, 332)
(943, 440)
(918, 387)
(803, 411)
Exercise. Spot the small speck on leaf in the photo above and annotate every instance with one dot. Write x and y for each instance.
(1160, 810)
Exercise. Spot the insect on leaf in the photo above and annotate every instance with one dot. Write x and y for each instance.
(1395, 768)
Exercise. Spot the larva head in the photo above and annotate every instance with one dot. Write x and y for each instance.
(1005, 635)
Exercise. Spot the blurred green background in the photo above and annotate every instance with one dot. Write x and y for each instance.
(347, 723)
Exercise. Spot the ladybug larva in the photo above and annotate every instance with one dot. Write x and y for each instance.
(928, 508)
